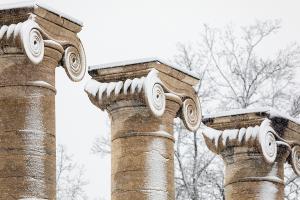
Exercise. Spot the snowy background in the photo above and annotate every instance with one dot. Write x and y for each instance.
(116, 30)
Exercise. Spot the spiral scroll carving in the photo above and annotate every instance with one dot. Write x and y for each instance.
(26, 35)
(295, 159)
(74, 63)
(154, 93)
(191, 113)
(267, 141)
(263, 137)
(30, 38)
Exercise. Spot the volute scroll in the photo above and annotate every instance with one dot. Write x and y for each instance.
(31, 38)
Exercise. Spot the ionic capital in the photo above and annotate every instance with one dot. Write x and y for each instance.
(266, 130)
(146, 83)
(262, 137)
(32, 29)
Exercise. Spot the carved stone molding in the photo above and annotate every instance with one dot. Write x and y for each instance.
(30, 35)
(142, 98)
(255, 145)
(263, 137)
(25, 35)
(152, 91)
(295, 159)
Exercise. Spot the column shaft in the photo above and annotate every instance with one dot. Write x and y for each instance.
(142, 154)
(27, 128)
(248, 176)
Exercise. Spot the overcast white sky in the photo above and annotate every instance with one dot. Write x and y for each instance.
(116, 30)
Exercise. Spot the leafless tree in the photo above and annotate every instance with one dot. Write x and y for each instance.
(70, 180)
(292, 184)
(198, 174)
(244, 78)
(102, 144)
(234, 74)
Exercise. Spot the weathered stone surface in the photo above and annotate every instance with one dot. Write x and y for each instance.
(254, 146)
(142, 99)
(32, 44)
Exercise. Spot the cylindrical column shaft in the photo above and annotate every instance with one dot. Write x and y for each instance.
(249, 176)
(27, 127)
(142, 153)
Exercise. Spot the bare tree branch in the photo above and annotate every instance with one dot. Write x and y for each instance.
(70, 181)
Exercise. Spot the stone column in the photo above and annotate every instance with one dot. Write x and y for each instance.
(34, 40)
(142, 99)
(254, 146)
